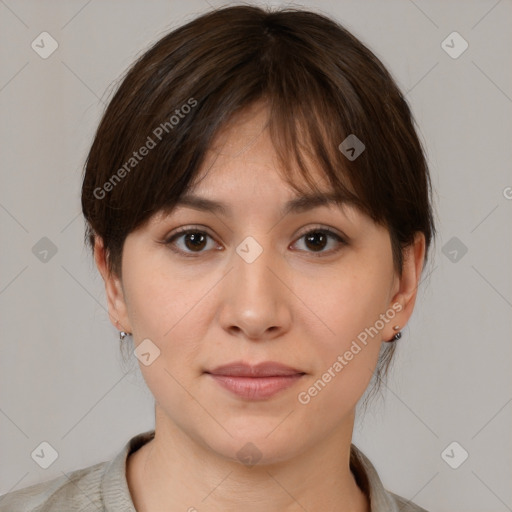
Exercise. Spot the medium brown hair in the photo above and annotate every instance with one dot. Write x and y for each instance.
(321, 84)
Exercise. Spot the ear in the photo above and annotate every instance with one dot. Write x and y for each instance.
(413, 259)
(117, 310)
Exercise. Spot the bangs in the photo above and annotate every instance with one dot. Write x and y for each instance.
(308, 157)
(306, 137)
(307, 122)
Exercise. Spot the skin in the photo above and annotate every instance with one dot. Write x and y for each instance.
(298, 304)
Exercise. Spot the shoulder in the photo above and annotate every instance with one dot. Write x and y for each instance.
(75, 491)
(96, 488)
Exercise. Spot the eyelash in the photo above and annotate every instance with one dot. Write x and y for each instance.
(187, 229)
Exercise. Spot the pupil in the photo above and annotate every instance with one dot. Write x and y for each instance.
(195, 238)
(319, 235)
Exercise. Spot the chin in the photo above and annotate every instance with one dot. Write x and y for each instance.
(254, 446)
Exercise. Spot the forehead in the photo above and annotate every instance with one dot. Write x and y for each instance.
(241, 173)
(242, 153)
(241, 131)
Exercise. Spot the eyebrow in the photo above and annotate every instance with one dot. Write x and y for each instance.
(298, 204)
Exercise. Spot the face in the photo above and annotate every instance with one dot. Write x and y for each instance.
(253, 285)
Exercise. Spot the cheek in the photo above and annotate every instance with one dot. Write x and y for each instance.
(347, 305)
(345, 302)
(165, 312)
(343, 366)
(172, 308)
(161, 298)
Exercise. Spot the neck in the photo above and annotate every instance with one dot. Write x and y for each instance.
(173, 472)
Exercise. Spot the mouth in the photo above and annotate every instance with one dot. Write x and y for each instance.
(255, 382)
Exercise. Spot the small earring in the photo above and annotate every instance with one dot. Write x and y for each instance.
(397, 336)
(122, 335)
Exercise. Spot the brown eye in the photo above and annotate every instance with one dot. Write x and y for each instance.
(193, 241)
(317, 239)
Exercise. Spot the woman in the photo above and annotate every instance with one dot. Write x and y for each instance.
(258, 205)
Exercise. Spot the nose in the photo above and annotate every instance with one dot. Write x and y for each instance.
(256, 297)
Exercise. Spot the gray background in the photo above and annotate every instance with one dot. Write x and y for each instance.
(62, 379)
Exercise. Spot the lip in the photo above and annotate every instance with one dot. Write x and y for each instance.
(264, 369)
(255, 382)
